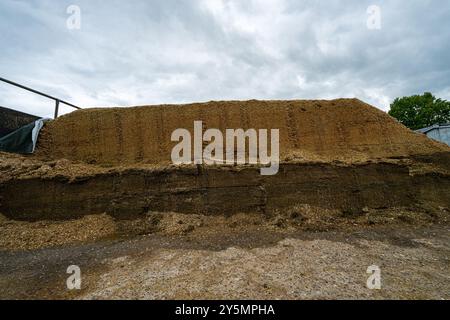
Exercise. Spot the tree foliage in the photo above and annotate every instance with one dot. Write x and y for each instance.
(420, 111)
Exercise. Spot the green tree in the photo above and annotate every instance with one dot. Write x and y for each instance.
(420, 111)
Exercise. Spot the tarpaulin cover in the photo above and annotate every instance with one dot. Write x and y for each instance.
(24, 139)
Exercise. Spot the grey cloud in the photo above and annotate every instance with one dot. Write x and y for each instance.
(145, 52)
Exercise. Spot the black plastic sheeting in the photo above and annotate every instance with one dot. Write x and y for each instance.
(22, 140)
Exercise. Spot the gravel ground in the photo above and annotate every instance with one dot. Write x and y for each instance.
(414, 263)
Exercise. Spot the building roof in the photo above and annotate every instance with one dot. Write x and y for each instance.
(435, 126)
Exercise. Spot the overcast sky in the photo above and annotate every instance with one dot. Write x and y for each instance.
(151, 52)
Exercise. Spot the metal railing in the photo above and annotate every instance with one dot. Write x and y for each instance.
(57, 100)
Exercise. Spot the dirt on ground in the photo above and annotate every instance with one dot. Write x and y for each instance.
(29, 235)
(240, 263)
(413, 264)
(24, 235)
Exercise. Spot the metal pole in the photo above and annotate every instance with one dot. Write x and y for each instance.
(38, 92)
(56, 108)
